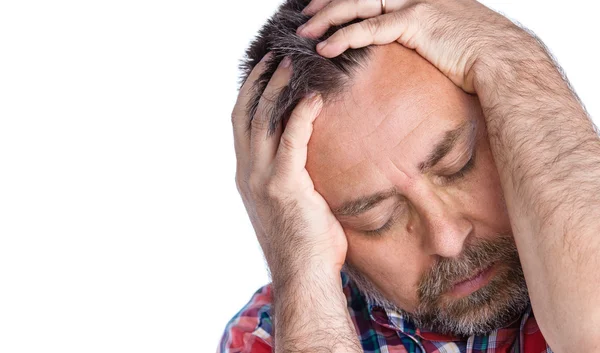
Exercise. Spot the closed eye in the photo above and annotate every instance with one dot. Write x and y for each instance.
(379, 231)
(464, 170)
(389, 224)
(447, 179)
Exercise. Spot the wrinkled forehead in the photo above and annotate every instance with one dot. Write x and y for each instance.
(396, 108)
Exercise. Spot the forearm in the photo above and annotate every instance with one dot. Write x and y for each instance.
(548, 157)
(310, 315)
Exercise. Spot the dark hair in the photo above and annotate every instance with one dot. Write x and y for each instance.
(311, 71)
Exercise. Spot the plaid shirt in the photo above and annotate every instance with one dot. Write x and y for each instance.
(250, 331)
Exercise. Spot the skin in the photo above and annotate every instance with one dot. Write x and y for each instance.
(544, 146)
(356, 151)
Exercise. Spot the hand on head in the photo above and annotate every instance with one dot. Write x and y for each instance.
(452, 35)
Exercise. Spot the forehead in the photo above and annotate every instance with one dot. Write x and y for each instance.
(396, 109)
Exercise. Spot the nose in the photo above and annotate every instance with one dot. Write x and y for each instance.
(443, 228)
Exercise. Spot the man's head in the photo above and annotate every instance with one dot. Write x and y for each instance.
(401, 156)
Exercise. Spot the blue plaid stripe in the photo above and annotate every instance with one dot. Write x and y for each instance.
(381, 331)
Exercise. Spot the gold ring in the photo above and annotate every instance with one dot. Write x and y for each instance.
(382, 7)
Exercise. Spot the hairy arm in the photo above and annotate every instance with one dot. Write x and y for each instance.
(310, 315)
(548, 155)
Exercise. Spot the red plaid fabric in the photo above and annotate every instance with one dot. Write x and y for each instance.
(380, 330)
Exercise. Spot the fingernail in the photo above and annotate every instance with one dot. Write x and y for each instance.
(300, 29)
(267, 56)
(321, 45)
(305, 10)
(285, 63)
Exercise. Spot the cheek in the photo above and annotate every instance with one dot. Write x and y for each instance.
(485, 201)
(393, 264)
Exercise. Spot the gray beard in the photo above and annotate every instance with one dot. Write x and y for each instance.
(493, 306)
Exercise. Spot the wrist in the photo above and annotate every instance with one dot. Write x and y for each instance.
(303, 267)
(308, 310)
(309, 275)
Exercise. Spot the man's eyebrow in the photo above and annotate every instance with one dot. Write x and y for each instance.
(446, 145)
(363, 204)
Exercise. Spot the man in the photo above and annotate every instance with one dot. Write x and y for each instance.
(451, 175)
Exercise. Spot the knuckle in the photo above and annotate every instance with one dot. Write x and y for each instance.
(422, 8)
(259, 122)
(237, 112)
(272, 189)
(345, 32)
(332, 22)
(261, 119)
(235, 118)
(255, 186)
(240, 182)
(268, 99)
(288, 141)
(371, 26)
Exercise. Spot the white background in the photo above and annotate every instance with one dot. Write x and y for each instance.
(120, 225)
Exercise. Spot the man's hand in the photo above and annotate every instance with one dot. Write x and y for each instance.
(304, 244)
(295, 227)
(452, 35)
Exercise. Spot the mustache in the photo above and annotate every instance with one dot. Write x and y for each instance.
(476, 257)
